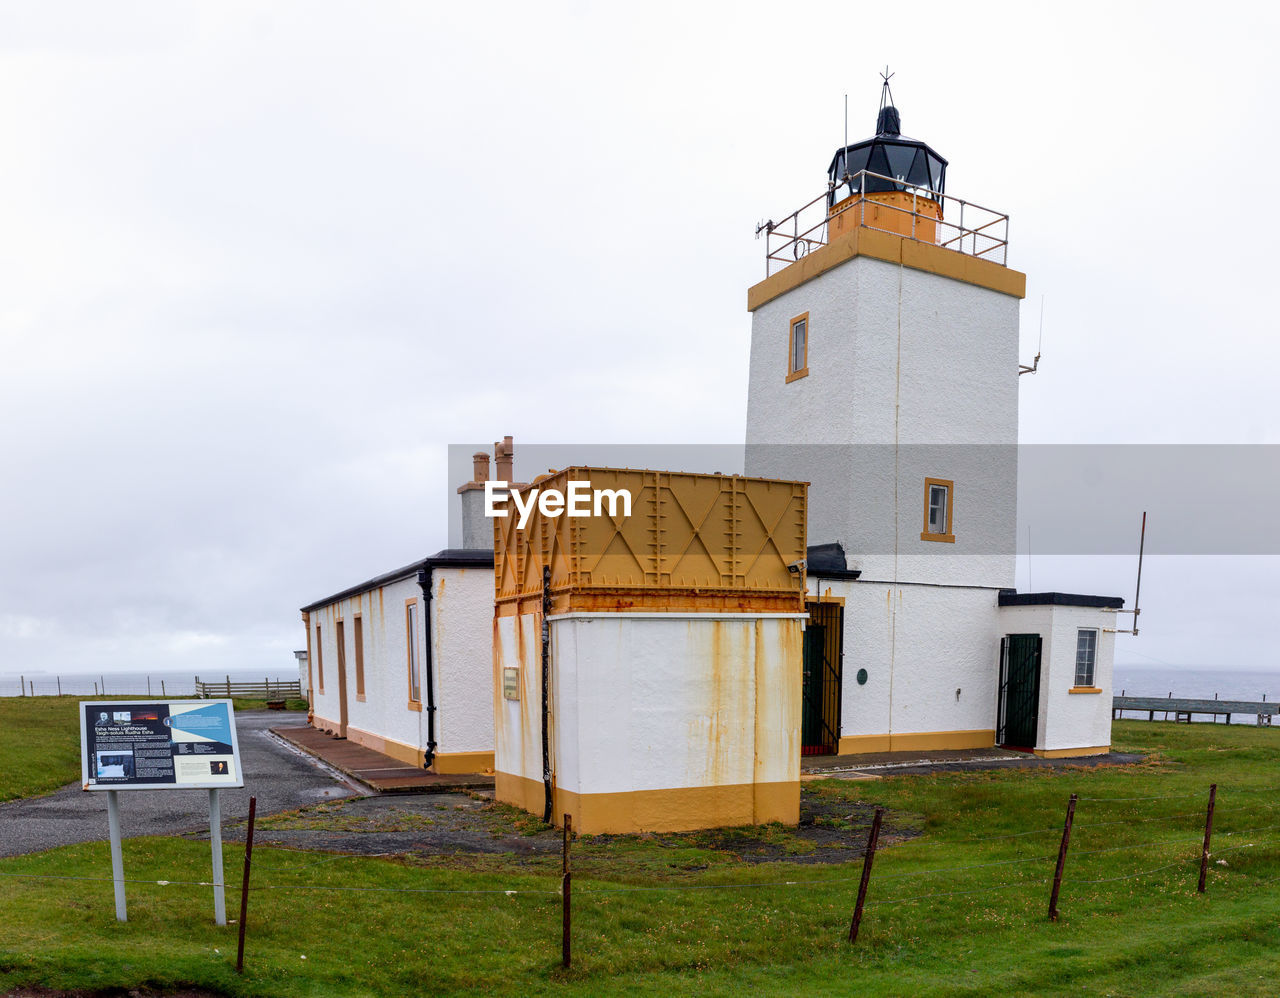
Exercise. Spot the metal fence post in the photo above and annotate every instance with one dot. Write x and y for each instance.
(1208, 833)
(244, 885)
(868, 857)
(566, 889)
(1062, 858)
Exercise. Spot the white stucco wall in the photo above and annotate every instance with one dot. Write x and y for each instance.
(517, 742)
(655, 701)
(919, 645)
(462, 635)
(949, 381)
(1067, 720)
(384, 712)
(674, 700)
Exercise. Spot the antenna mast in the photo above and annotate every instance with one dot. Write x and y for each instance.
(1023, 368)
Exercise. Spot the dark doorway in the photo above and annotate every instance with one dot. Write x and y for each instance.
(342, 680)
(820, 703)
(1016, 725)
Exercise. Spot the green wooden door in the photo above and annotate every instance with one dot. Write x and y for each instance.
(811, 733)
(1019, 691)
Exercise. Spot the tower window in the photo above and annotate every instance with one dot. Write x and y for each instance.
(1086, 656)
(798, 348)
(938, 497)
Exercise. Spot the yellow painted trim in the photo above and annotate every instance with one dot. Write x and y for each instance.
(1085, 689)
(324, 724)
(400, 751)
(950, 536)
(357, 638)
(917, 741)
(306, 629)
(1070, 753)
(891, 248)
(463, 762)
(320, 657)
(678, 809)
(802, 371)
(412, 601)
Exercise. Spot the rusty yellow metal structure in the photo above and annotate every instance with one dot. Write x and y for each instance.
(901, 212)
(691, 542)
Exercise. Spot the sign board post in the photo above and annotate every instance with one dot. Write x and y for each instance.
(160, 745)
(117, 861)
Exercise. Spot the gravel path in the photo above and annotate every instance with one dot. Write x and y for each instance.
(281, 777)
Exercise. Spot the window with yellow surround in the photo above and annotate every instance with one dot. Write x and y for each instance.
(939, 496)
(798, 348)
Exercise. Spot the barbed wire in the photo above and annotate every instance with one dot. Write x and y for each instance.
(946, 894)
(1130, 876)
(1137, 821)
(1124, 800)
(1138, 845)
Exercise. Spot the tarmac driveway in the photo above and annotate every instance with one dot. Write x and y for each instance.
(279, 776)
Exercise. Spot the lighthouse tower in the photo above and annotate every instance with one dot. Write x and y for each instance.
(884, 367)
(884, 372)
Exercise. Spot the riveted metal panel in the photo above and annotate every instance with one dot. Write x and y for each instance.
(691, 540)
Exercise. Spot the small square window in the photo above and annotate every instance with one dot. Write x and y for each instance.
(1086, 655)
(798, 348)
(938, 503)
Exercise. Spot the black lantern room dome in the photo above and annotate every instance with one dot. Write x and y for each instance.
(911, 163)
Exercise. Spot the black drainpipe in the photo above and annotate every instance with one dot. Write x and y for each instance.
(546, 673)
(424, 582)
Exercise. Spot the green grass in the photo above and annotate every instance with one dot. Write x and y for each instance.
(40, 741)
(39, 745)
(1147, 935)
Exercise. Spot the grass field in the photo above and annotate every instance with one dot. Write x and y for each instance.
(40, 741)
(669, 915)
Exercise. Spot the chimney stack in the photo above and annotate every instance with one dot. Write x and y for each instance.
(477, 529)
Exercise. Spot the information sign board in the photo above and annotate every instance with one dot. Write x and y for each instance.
(159, 745)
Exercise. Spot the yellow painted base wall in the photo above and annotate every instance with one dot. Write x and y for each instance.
(408, 754)
(917, 741)
(1072, 753)
(463, 762)
(445, 762)
(680, 809)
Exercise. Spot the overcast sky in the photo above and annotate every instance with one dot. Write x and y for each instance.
(263, 263)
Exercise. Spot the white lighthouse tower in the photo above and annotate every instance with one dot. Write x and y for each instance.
(884, 372)
(884, 367)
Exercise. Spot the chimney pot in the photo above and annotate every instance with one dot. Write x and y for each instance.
(505, 453)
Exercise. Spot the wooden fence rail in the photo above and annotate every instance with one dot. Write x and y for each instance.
(1182, 708)
(267, 689)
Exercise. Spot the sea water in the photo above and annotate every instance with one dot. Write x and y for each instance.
(1198, 683)
(171, 684)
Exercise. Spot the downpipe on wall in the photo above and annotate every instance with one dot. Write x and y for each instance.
(424, 583)
(546, 676)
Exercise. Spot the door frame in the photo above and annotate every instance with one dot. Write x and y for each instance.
(341, 635)
(1002, 691)
(828, 614)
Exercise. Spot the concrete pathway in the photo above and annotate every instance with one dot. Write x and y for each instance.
(378, 772)
(871, 765)
(281, 777)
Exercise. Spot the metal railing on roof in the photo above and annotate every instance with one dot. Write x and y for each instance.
(963, 227)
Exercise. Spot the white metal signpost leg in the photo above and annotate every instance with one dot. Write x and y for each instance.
(117, 861)
(215, 840)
